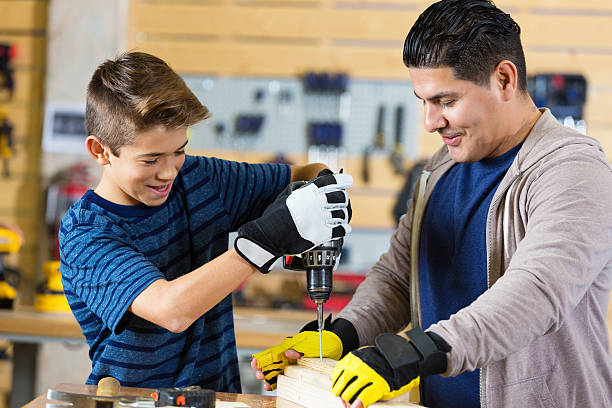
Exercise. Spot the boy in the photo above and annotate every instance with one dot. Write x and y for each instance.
(144, 256)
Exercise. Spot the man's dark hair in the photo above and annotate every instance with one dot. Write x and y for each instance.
(469, 36)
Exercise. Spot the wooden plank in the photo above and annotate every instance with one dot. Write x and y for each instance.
(30, 49)
(237, 58)
(308, 384)
(28, 86)
(20, 193)
(26, 158)
(597, 108)
(271, 22)
(26, 120)
(276, 59)
(558, 5)
(23, 15)
(588, 31)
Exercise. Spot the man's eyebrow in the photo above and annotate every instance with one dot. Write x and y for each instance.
(439, 95)
(154, 154)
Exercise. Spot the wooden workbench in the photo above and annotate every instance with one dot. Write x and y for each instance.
(254, 401)
(255, 329)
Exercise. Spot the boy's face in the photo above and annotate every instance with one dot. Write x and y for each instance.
(145, 170)
(468, 117)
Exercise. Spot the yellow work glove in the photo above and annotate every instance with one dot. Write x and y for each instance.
(390, 368)
(273, 361)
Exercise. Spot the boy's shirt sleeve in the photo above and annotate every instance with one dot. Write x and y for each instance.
(101, 271)
(246, 189)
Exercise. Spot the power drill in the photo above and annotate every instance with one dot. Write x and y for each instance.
(319, 264)
(6, 142)
(9, 277)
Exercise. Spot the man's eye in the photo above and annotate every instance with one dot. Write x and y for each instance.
(446, 104)
(180, 153)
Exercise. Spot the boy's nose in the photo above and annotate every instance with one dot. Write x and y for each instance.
(167, 173)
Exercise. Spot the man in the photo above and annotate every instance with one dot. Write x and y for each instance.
(504, 256)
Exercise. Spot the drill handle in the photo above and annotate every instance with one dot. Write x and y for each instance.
(294, 263)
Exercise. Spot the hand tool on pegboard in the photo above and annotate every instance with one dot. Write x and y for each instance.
(7, 54)
(377, 144)
(107, 396)
(6, 142)
(397, 155)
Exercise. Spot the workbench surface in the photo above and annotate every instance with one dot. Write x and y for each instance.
(255, 328)
(253, 401)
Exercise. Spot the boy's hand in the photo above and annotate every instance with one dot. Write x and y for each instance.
(272, 362)
(303, 216)
(390, 368)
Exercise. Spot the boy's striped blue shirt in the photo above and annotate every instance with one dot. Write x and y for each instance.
(111, 252)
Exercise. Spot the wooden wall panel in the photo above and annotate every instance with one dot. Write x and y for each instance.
(303, 23)
(28, 85)
(26, 125)
(29, 49)
(24, 23)
(23, 15)
(364, 39)
(244, 58)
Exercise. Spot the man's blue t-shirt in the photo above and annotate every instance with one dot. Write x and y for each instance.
(453, 260)
(111, 252)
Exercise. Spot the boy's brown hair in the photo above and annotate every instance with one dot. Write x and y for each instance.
(136, 92)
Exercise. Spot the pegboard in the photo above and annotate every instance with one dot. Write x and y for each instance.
(288, 108)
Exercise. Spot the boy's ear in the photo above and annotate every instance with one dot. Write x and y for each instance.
(97, 150)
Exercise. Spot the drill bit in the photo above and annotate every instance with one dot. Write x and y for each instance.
(320, 321)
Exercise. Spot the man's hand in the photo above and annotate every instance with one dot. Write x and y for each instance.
(390, 368)
(339, 337)
(303, 216)
(272, 362)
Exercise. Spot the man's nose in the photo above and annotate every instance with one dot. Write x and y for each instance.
(434, 119)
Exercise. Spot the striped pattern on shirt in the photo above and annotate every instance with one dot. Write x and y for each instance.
(110, 253)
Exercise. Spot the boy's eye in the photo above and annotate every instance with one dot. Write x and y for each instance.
(446, 103)
(150, 162)
(180, 153)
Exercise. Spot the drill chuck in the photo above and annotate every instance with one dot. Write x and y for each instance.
(319, 263)
(319, 284)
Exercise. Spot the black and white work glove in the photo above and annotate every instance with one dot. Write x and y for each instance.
(303, 216)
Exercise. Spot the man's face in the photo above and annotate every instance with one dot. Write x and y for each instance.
(466, 115)
(144, 171)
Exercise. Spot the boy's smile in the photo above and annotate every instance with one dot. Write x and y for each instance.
(144, 171)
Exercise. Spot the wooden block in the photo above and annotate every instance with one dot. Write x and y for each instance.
(308, 384)
(6, 375)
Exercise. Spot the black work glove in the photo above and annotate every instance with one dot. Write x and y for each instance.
(390, 368)
(303, 216)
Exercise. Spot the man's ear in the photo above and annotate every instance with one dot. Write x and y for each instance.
(97, 150)
(505, 79)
